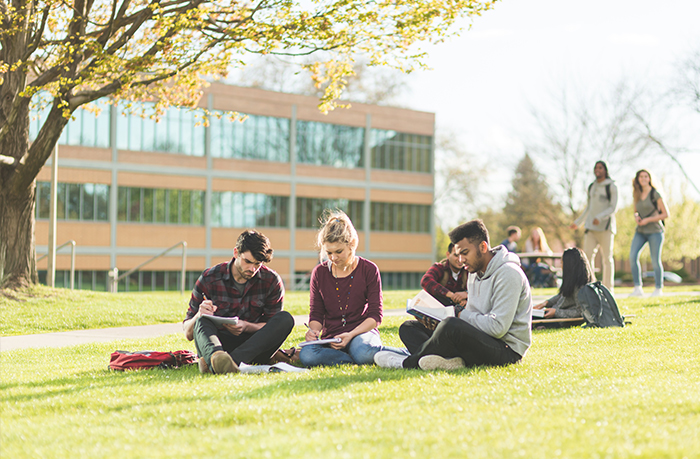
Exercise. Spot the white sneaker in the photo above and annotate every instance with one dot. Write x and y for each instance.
(388, 359)
(657, 292)
(637, 291)
(437, 362)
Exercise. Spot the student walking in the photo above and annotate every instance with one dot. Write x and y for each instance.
(599, 217)
(650, 212)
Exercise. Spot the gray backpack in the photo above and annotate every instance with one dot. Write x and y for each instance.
(599, 306)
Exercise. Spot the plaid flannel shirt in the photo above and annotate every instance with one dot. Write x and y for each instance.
(260, 299)
(431, 281)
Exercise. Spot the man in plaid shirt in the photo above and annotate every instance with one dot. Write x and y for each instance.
(245, 288)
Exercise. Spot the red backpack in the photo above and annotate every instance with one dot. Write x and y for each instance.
(124, 360)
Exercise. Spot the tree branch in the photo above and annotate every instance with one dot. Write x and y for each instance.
(649, 135)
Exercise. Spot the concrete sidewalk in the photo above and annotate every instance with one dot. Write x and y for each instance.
(73, 338)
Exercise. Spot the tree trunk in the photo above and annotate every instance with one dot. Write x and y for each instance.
(17, 250)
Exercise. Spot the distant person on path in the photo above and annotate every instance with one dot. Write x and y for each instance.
(511, 242)
(599, 216)
(446, 280)
(576, 272)
(245, 288)
(539, 273)
(494, 328)
(345, 299)
(650, 212)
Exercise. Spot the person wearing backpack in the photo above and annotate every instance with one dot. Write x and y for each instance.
(599, 217)
(650, 213)
(576, 272)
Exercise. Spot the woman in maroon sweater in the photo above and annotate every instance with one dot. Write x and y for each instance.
(346, 299)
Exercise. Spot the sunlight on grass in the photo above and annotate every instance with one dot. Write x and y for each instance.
(618, 393)
(42, 309)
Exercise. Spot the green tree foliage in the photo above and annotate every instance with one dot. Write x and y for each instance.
(529, 204)
(442, 241)
(83, 50)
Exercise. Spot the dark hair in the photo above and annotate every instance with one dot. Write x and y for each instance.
(576, 271)
(605, 166)
(637, 187)
(450, 247)
(513, 230)
(475, 231)
(256, 243)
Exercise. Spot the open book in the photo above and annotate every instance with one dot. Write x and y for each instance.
(538, 313)
(424, 305)
(279, 367)
(320, 341)
(220, 321)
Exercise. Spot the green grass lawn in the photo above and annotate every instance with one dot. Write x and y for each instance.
(43, 310)
(608, 393)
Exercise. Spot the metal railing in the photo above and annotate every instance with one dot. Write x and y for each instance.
(115, 277)
(72, 260)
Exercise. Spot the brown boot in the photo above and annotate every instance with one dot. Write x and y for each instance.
(221, 363)
(203, 367)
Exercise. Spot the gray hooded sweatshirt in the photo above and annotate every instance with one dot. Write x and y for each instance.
(500, 303)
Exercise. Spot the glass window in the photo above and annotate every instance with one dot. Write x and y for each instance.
(396, 217)
(186, 204)
(257, 137)
(242, 210)
(330, 144)
(102, 202)
(134, 211)
(310, 210)
(75, 201)
(43, 199)
(398, 151)
(148, 205)
(173, 206)
(160, 205)
(88, 200)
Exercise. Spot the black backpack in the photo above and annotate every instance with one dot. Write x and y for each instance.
(599, 306)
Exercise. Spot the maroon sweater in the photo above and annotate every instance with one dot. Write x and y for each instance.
(328, 304)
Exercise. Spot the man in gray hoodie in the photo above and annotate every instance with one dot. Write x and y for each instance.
(599, 216)
(495, 326)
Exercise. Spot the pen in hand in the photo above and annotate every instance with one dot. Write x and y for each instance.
(318, 333)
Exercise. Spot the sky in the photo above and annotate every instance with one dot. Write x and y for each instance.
(483, 83)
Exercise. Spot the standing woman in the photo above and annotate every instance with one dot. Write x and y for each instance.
(650, 211)
(576, 272)
(345, 300)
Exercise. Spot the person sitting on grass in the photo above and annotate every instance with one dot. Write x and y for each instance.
(345, 299)
(446, 280)
(495, 326)
(245, 288)
(576, 272)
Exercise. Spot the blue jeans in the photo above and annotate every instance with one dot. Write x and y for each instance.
(656, 242)
(360, 351)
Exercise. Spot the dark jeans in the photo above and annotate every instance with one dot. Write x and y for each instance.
(454, 337)
(413, 334)
(249, 348)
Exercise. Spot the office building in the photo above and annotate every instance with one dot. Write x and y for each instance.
(130, 187)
